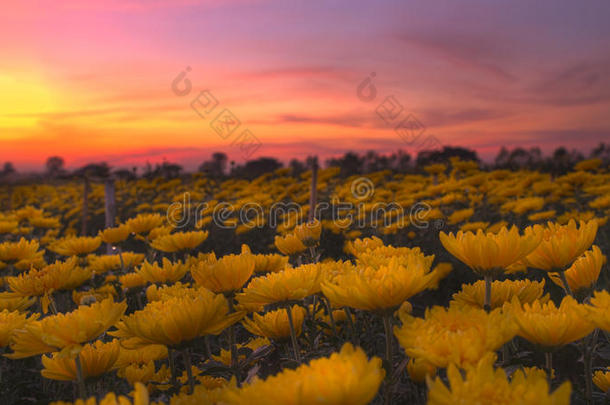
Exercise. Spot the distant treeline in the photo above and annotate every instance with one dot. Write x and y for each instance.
(219, 166)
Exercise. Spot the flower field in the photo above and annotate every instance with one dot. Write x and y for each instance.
(456, 285)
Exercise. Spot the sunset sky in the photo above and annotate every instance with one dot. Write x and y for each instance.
(94, 82)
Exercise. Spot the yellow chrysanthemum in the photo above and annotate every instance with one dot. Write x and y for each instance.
(168, 272)
(459, 336)
(362, 245)
(481, 384)
(560, 245)
(584, 272)
(549, 326)
(287, 285)
(599, 310)
(176, 320)
(66, 332)
(254, 344)
(115, 235)
(289, 244)
(347, 377)
(76, 246)
(601, 379)
(526, 291)
(180, 241)
(227, 274)
(41, 283)
(141, 355)
(144, 223)
(420, 369)
(105, 263)
(9, 322)
(382, 288)
(23, 254)
(9, 302)
(96, 359)
(275, 324)
(132, 280)
(309, 232)
(490, 252)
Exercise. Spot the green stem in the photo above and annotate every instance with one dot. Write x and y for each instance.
(172, 367)
(233, 346)
(352, 327)
(293, 335)
(189, 370)
(589, 347)
(82, 391)
(487, 303)
(387, 325)
(548, 356)
(330, 315)
(564, 281)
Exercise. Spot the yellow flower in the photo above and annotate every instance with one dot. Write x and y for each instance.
(526, 291)
(561, 244)
(599, 310)
(96, 359)
(362, 245)
(176, 320)
(9, 322)
(420, 369)
(489, 252)
(8, 226)
(459, 336)
(225, 355)
(131, 280)
(50, 278)
(115, 235)
(460, 216)
(66, 332)
(347, 377)
(105, 263)
(382, 288)
(180, 241)
(145, 373)
(287, 285)
(9, 302)
(94, 295)
(23, 254)
(140, 397)
(309, 232)
(157, 232)
(583, 273)
(481, 384)
(601, 379)
(76, 246)
(274, 324)
(289, 244)
(549, 326)
(230, 273)
(169, 272)
(270, 263)
(142, 355)
(474, 226)
(144, 223)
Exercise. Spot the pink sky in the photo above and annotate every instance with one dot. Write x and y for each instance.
(93, 83)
